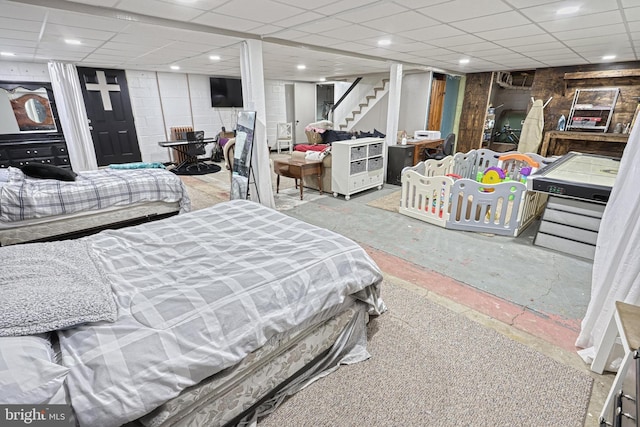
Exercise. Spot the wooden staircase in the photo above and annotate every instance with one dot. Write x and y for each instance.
(374, 95)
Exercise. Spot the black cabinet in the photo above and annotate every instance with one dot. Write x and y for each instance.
(400, 156)
(46, 151)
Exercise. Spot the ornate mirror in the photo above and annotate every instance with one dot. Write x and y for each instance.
(25, 108)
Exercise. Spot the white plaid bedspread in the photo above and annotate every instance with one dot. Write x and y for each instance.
(30, 198)
(198, 292)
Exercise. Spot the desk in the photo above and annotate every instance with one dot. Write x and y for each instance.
(297, 169)
(558, 143)
(188, 150)
(422, 144)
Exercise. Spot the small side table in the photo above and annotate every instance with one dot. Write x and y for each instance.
(297, 169)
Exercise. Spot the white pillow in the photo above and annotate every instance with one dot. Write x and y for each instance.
(28, 372)
(4, 175)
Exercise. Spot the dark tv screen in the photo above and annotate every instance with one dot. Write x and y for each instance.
(226, 92)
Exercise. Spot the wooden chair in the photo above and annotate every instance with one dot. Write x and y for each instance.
(284, 136)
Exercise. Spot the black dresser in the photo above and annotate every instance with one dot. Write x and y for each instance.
(30, 130)
(18, 153)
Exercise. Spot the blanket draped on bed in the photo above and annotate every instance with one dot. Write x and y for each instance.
(196, 293)
(92, 190)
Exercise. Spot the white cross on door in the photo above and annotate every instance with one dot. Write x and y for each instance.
(104, 89)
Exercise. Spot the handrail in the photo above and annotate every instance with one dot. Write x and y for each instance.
(344, 95)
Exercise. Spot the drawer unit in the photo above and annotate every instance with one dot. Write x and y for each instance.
(46, 151)
(357, 165)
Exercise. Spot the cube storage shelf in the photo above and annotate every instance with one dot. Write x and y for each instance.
(357, 165)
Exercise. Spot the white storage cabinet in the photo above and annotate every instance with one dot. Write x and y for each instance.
(357, 165)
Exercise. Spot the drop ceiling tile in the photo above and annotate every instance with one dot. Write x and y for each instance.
(492, 22)
(77, 32)
(17, 43)
(352, 32)
(540, 47)
(200, 4)
(129, 47)
(227, 22)
(20, 25)
(583, 22)
(23, 11)
(338, 7)
(19, 35)
(547, 12)
(323, 40)
(613, 40)
(263, 11)
(605, 30)
(371, 12)
(459, 10)
(304, 18)
(472, 48)
(86, 21)
(564, 62)
(288, 34)
(530, 3)
(508, 33)
(160, 9)
(634, 26)
(515, 42)
(405, 20)
(632, 13)
(431, 33)
(460, 40)
(104, 3)
(306, 4)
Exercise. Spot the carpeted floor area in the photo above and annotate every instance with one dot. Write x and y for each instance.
(433, 366)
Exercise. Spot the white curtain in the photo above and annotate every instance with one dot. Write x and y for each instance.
(73, 115)
(253, 96)
(616, 266)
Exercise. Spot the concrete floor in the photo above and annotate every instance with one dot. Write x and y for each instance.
(531, 294)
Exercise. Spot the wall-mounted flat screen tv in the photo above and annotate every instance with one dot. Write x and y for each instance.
(226, 92)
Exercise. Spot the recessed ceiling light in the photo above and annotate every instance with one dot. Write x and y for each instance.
(7, 54)
(175, 67)
(608, 57)
(72, 41)
(568, 10)
(302, 67)
(214, 57)
(322, 79)
(384, 42)
(464, 61)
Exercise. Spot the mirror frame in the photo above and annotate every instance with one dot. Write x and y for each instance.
(34, 135)
(241, 175)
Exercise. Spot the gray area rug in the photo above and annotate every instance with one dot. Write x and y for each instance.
(433, 367)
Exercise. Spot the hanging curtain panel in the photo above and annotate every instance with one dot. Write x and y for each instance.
(73, 115)
(254, 100)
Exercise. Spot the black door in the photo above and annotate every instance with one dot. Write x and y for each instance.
(106, 97)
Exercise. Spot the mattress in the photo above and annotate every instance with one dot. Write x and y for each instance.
(50, 228)
(197, 294)
(255, 386)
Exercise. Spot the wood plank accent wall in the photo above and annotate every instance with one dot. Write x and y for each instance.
(551, 82)
(474, 111)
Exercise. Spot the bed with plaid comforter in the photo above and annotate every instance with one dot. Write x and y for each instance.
(196, 294)
(23, 198)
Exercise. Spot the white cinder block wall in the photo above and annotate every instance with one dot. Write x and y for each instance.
(143, 92)
(163, 100)
(24, 71)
